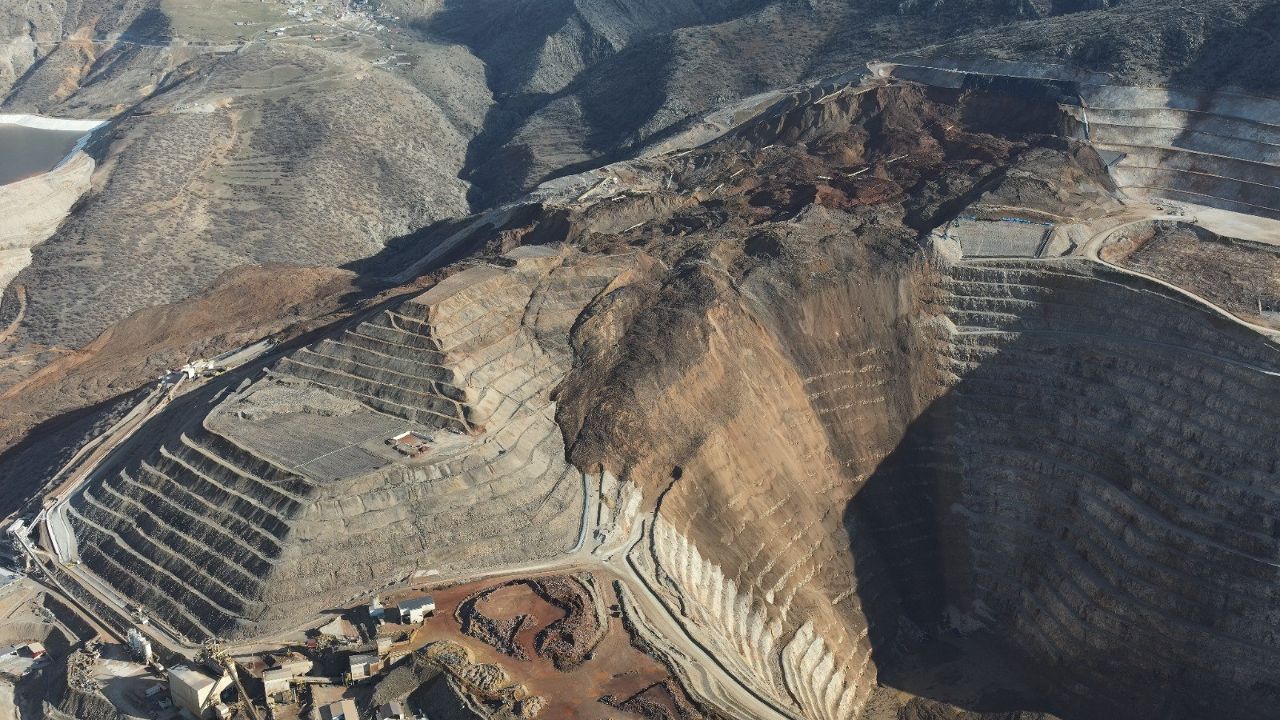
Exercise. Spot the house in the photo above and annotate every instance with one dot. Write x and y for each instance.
(276, 682)
(410, 444)
(416, 610)
(362, 666)
(33, 650)
(344, 709)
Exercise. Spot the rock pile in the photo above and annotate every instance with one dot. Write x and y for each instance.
(486, 682)
(571, 639)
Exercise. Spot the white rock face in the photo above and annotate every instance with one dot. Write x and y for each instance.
(41, 122)
(750, 636)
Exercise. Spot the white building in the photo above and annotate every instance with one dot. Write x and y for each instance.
(362, 666)
(275, 682)
(195, 691)
(416, 610)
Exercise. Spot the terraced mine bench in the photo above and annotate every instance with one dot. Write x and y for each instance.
(287, 498)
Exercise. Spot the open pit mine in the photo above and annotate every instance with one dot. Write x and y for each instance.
(914, 394)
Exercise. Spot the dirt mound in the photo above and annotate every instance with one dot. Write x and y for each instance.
(661, 701)
(567, 640)
(486, 683)
(571, 639)
(498, 633)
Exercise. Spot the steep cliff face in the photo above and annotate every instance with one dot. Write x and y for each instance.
(750, 412)
(751, 386)
(1117, 487)
(852, 437)
(1094, 484)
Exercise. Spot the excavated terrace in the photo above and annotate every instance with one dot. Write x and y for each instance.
(289, 497)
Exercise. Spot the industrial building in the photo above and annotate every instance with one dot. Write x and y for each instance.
(363, 666)
(194, 691)
(416, 610)
(344, 709)
(275, 684)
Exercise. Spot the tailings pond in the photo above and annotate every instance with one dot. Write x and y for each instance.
(27, 151)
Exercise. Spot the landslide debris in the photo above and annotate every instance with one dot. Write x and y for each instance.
(855, 440)
(230, 146)
(567, 640)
